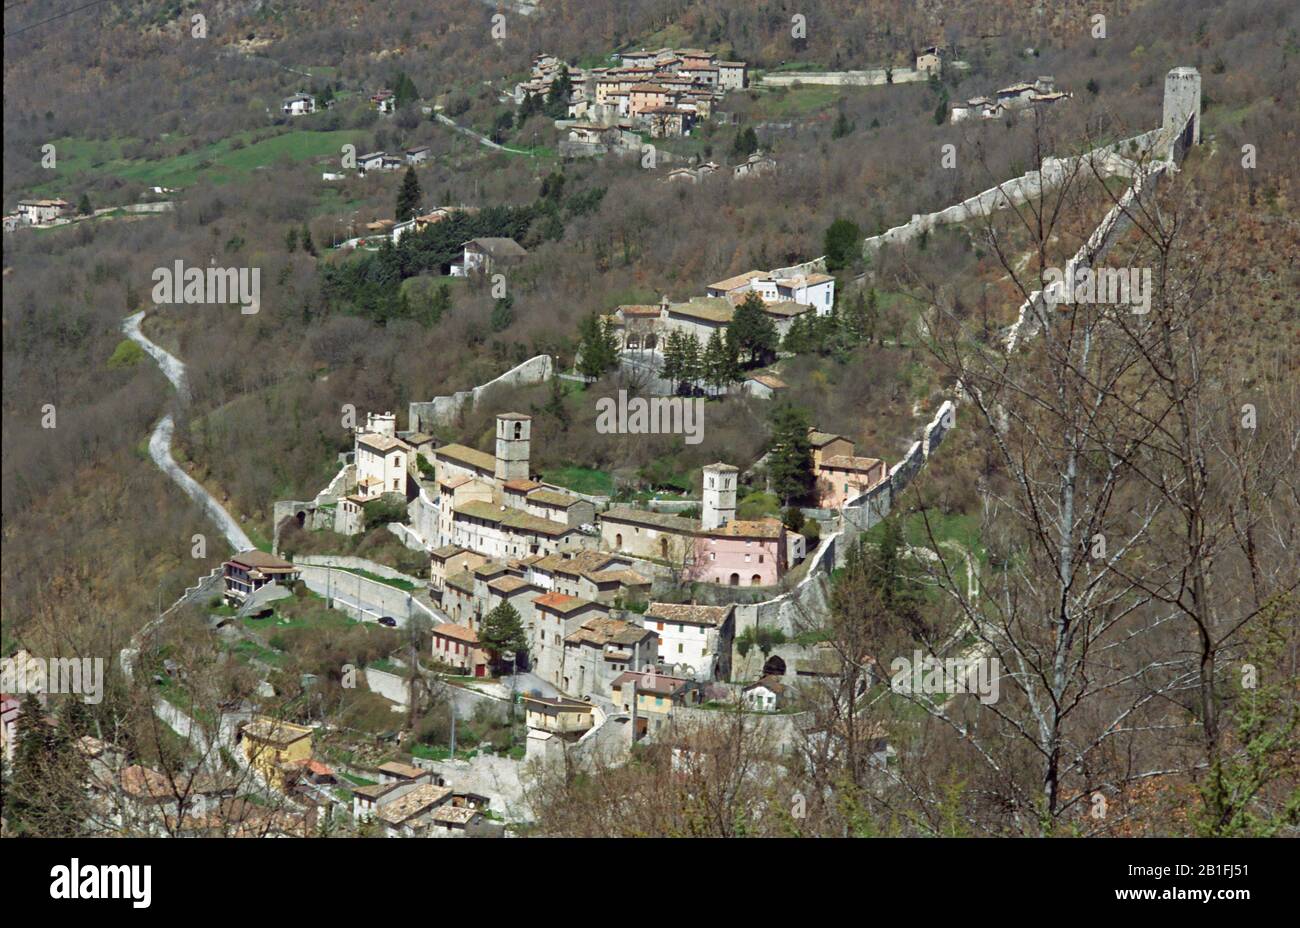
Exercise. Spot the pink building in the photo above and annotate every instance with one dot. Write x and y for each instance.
(741, 553)
(843, 478)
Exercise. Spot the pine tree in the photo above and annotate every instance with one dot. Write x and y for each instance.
(692, 361)
(598, 350)
(291, 240)
(409, 196)
(842, 244)
(672, 358)
(789, 459)
(502, 631)
(503, 313)
(715, 363)
(753, 329)
(83, 205)
(746, 143)
(305, 238)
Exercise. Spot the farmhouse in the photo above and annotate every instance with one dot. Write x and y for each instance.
(246, 573)
(299, 104)
(483, 255)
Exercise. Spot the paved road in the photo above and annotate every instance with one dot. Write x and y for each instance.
(160, 442)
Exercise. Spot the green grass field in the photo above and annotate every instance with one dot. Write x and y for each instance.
(86, 159)
(581, 479)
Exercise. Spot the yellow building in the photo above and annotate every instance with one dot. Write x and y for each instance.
(271, 745)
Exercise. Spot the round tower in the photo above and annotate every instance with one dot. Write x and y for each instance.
(512, 445)
(719, 495)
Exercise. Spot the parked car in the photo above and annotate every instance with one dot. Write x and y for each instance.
(388, 620)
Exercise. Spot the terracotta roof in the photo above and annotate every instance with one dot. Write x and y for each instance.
(688, 614)
(746, 528)
(851, 463)
(659, 683)
(262, 560)
(399, 769)
(446, 551)
(740, 280)
(604, 630)
(661, 520)
(459, 632)
(460, 454)
(819, 439)
(771, 381)
(548, 497)
(559, 602)
(455, 815)
(642, 309)
(522, 486)
(705, 308)
(145, 783)
(412, 803)
(380, 442)
(509, 585)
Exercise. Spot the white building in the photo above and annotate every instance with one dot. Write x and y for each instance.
(300, 104)
(36, 212)
(698, 637)
(381, 458)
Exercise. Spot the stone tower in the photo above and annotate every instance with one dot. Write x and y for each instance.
(719, 495)
(512, 445)
(1183, 99)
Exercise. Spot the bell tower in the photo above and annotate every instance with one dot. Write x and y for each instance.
(513, 430)
(719, 495)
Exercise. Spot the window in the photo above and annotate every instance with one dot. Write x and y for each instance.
(760, 558)
(679, 647)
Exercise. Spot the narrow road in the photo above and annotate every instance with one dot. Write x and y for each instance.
(160, 442)
(482, 139)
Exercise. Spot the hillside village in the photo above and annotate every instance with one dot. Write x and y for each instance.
(624, 405)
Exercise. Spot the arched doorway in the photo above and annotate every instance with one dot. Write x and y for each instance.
(651, 342)
(618, 540)
(774, 666)
(735, 580)
(756, 580)
(663, 548)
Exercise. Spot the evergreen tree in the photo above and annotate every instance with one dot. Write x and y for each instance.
(45, 796)
(404, 90)
(409, 197)
(305, 238)
(842, 126)
(598, 350)
(503, 313)
(842, 244)
(789, 459)
(715, 363)
(672, 358)
(896, 576)
(691, 361)
(502, 631)
(746, 143)
(557, 97)
(753, 330)
(291, 240)
(83, 205)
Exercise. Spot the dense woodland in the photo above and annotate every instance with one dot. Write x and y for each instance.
(95, 537)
